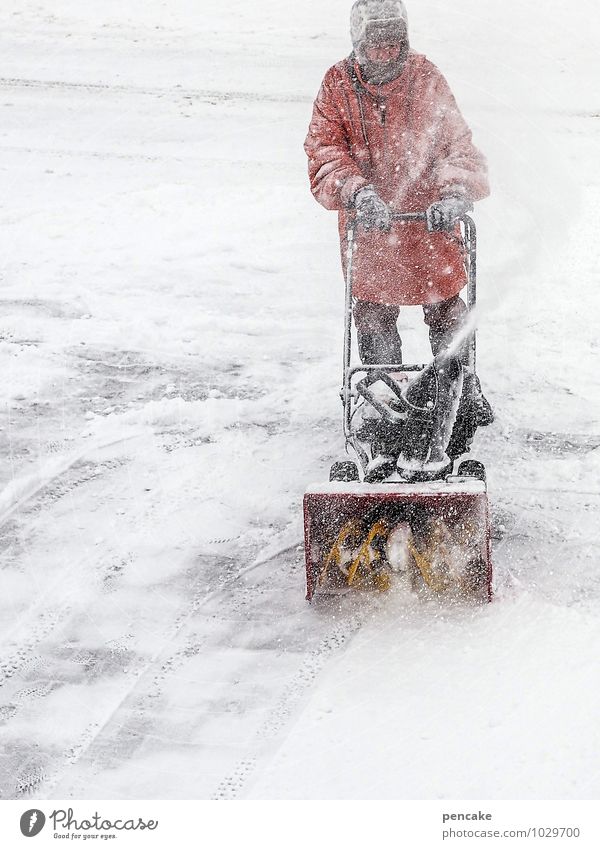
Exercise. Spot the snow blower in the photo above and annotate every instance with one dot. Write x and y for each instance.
(399, 509)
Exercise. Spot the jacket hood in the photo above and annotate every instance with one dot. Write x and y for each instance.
(365, 12)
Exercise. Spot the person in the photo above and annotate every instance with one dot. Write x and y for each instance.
(387, 135)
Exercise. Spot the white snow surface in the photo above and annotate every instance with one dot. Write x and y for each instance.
(170, 333)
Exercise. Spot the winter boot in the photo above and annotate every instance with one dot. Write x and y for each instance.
(479, 408)
(380, 468)
(484, 415)
(433, 398)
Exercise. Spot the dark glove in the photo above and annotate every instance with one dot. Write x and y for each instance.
(443, 214)
(371, 212)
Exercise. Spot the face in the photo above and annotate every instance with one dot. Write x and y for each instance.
(384, 51)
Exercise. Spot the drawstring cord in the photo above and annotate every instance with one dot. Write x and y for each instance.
(358, 88)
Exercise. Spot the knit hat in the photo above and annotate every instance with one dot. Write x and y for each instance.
(366, 12)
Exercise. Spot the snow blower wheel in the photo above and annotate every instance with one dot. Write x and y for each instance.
(345, 471)
(472, 469)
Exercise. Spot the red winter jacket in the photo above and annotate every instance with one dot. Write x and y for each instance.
(408, 139)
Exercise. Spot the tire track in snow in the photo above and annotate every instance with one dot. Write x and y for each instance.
(40, 766)
(91, 154)
(137, 679)
(37, 621)
(139, 696)
(281, 715)
(205, 95)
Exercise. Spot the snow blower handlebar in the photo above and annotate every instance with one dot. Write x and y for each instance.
(374, 372)
(409, 216)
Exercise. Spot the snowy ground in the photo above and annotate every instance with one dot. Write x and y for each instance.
(170, 336)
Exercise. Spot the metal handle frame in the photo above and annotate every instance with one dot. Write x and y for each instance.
(469, 237)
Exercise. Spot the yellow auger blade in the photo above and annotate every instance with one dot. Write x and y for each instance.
(335, 553)
(434, 581)
(367, 558)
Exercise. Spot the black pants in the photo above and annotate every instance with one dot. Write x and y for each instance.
(378, 337)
